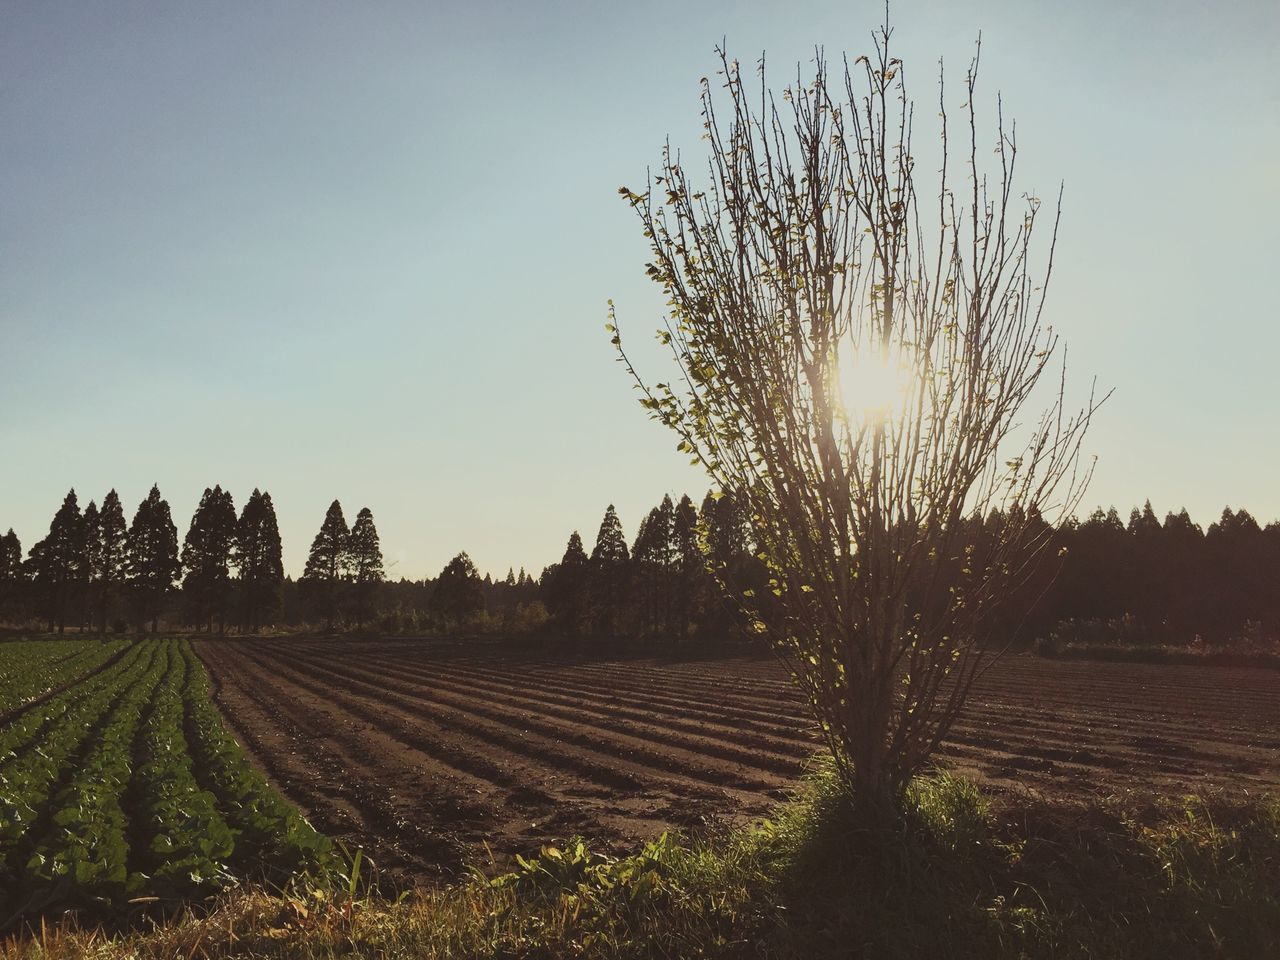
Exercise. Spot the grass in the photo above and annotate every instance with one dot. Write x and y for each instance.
(960, 876)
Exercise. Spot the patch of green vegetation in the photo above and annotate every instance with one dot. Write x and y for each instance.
(125, 790)
(31, 668)
(960, 875)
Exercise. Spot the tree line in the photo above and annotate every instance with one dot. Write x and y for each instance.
(94, 571)
(1108, 580)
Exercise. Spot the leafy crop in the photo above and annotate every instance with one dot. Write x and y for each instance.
(30, 668)
(126, 788)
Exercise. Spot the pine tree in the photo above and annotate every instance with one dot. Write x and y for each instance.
(91, 532)
(566, 586)
(328, 563)
(366, 564)
(11, 574)
(57, 564)
(652, 567)
(206, 558)
(258, 560)
(690, 569)
(109, 546)
(644, 572)
(610, 562)
(10, 557)
(151, 557)
(458, 595)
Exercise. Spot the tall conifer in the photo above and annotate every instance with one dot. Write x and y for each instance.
(91, 534)
(151, 557)
(109, 546)
(258, 560)
(12, 576)
(566, 586)
(328, 563)
(206, 558)
(366, 564)
(610, 561)
(57, 564)
(689, 569)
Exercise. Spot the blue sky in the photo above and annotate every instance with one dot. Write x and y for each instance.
(363, 250)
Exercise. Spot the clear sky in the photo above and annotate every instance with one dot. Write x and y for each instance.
(363, 250)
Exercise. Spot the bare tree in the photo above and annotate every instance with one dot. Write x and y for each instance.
(854, 365)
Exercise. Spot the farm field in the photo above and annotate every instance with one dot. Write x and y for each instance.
(31, 669)
(435, 754)
(123, 786)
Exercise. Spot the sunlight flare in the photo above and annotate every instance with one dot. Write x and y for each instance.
(873, 385)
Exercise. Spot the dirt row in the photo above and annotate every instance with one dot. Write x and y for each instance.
(433, 755)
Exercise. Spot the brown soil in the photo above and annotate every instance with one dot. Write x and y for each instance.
(432, 755)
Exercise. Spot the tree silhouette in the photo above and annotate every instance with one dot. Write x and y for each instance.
(57, 565)
(91, 533)
(366, 564)
(206, 558)
(258, 560)
(10, 557)
(690, 567)
(651, 569)
(328, 563)
(107, 536)
(11, 572)
(610, 562)
(855, 355)
(567, 584)
(151, 557)
(457, 596)
(1234, 572)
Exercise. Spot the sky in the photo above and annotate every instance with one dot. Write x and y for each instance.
(363, 250)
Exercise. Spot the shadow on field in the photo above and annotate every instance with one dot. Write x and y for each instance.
(1177, 879)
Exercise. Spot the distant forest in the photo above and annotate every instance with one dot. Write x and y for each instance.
(1104, 580)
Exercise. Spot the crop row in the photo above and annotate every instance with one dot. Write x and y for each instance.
(126, 787)
(31, 668)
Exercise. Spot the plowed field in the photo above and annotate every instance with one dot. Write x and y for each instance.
(426, 752)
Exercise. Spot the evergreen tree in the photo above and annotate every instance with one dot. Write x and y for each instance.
(1236, 584)
(646, 569)
(151, 557)
(1182, 555)
(653, 568)
(206, 558)
(458, 595)
(328, 563)
(725, 542)
(690, 571)
(567, 585)
(91, 531)
(57, 564)
(366, 564)
(11, 572)
(258, 559)
(109, 545)
(610, 562)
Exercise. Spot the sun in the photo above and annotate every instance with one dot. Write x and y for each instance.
(873, 385)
